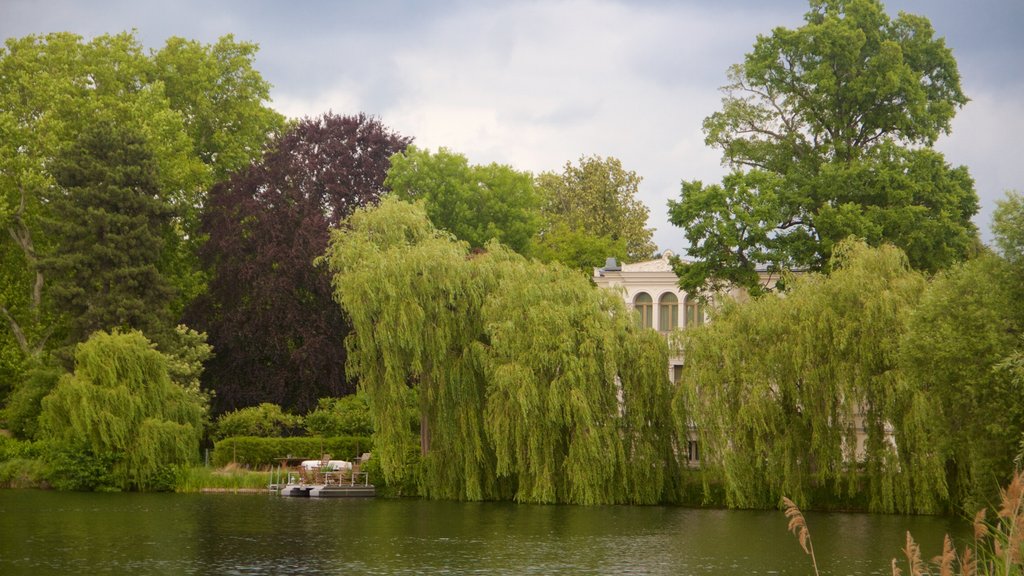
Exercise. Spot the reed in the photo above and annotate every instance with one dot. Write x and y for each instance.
(229, 478)
(997, 548)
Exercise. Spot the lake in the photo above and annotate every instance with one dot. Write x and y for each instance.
(43, 532)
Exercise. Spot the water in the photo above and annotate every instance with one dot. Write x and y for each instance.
(45, 533)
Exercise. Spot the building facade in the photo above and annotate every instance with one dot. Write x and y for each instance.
(651, 288)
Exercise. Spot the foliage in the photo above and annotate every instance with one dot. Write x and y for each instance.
(76, 466)
(1008, 227)
(268, 311)
(110, 226)
(577, 248)
(20, 414)
(345, 416)
(531, 383)
(58, 88)
(221, 98)
(828, 129)
(263, 452)
(595, 198)
(959, 337)
(265, 420)
(23, 473)
(777, 388)
(120, 407)
(476, 204)
(228, 478)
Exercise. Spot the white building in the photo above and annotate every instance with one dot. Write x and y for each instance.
(652, 289)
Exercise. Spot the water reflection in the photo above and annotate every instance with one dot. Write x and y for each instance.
(57, 533)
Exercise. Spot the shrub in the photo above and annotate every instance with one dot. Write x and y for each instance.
(264, 452)
(23, 473)
(345, 416)
(21, 413)
(79, 468)
(265, 420)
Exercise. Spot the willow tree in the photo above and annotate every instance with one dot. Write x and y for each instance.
(120, 404)
(578, 398)
(531, 384)
(414, 303)
(959, 339)
(801, 394)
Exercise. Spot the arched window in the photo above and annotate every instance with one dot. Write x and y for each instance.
(644, 305)
(694, 312)
(668, 312)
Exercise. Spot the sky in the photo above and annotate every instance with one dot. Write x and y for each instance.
(536, 84)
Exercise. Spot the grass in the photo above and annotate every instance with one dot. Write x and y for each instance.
(227, 479)
(997, 548)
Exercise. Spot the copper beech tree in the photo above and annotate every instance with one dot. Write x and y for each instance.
(276, 333)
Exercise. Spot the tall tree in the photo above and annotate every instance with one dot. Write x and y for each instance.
(221, 97)
(119, 405)
(531, 383)
(781, 390)
(276, 333)
(109, 224)
(54, 87)
(828, 129)
(958, 342)
(597, 197)
(475, 203)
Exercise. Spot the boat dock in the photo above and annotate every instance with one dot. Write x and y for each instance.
(324, 478)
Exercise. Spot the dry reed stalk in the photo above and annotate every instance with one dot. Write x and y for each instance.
(1012, 513)
(913, 554)
(798, 526)
(968, 564)
(945, 561)
(896, 569)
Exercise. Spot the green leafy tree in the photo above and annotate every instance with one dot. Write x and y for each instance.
(55, 88)
(265, 420)
(1008, 227)
(531, 384)
(577, 248)
(594, 199)
(221, 97)
(120, 406)
(965, 328)
(781, 389)
(828, 129)
(475, 203)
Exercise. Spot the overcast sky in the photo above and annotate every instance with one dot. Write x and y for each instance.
(535, 84)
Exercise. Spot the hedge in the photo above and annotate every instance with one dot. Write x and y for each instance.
(252, 451)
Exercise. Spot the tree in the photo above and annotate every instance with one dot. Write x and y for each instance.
(55, 87)
(531, 384)
(778, 387)
(957, 345)
(109, 225)
(120, 406)
(828, 129)
(1008, 227)
(598, 198)
(475, 203)
(221, 97)
(268, 310)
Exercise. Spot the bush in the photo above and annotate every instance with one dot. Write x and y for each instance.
(21, 413)
(345, 416)
(266, 420)
(23, 473)
(264, 452)
(81, 469)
